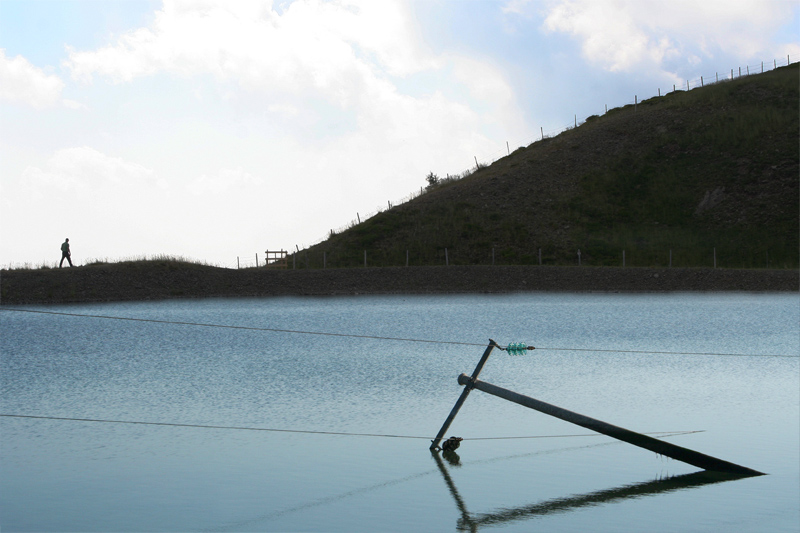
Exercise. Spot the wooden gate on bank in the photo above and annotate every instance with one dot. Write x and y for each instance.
(276, 259)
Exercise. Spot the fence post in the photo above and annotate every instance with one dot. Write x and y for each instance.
(237, 262)
(748, 69)
(541, 129)
(256, 259)
(635, 102)
(446, 260)
(659, 92)
(701, 81)
(476, 162)
(358, 217)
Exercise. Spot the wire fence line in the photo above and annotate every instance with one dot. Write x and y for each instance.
(246, 261)
(652, 257)
(694, 83)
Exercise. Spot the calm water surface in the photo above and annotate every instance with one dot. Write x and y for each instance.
(58, 475)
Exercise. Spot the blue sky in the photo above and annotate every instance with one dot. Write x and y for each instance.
(215, 129)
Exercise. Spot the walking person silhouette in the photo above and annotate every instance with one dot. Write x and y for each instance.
(65, 253)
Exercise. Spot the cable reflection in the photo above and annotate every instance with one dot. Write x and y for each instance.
(451, 457)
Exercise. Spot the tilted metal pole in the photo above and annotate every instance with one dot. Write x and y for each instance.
(435, 442)
(700, 460)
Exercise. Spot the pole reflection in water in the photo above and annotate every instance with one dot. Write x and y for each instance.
(472, 522)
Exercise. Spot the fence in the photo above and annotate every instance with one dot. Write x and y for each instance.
(247, 261)
(712, 257)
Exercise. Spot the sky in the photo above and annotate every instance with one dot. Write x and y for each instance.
(217, 129)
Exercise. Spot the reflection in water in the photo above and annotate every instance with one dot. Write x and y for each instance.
(248, 524)
(470, 522)
(451, 457)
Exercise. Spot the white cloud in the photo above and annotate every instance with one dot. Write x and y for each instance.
(516, 7)
(85, 170)
(72, 104)
(327, 47)
(313, 61)
(226, 180)
(20, 81)
(342, 55)
(626, 35)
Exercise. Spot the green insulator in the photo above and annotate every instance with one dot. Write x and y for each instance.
(517, 348)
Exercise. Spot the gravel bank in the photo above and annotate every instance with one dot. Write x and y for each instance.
(165, 280)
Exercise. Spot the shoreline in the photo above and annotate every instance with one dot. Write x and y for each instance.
(162, 280)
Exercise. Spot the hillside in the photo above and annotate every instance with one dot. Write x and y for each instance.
(682, 176)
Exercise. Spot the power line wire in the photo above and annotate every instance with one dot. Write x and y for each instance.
(667, 353)
(313, 432)
(251, 328)
(376, 337)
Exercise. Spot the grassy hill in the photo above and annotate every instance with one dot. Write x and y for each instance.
(688, 172)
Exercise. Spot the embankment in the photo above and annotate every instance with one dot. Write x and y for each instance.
(165, 280)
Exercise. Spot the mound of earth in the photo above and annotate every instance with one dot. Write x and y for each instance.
(165, 280)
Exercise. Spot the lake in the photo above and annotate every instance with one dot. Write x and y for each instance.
(716, 373)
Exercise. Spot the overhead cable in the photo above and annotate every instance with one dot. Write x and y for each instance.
(312, 432)
(377, 337)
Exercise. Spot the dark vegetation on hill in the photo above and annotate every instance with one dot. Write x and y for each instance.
(688, 172)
